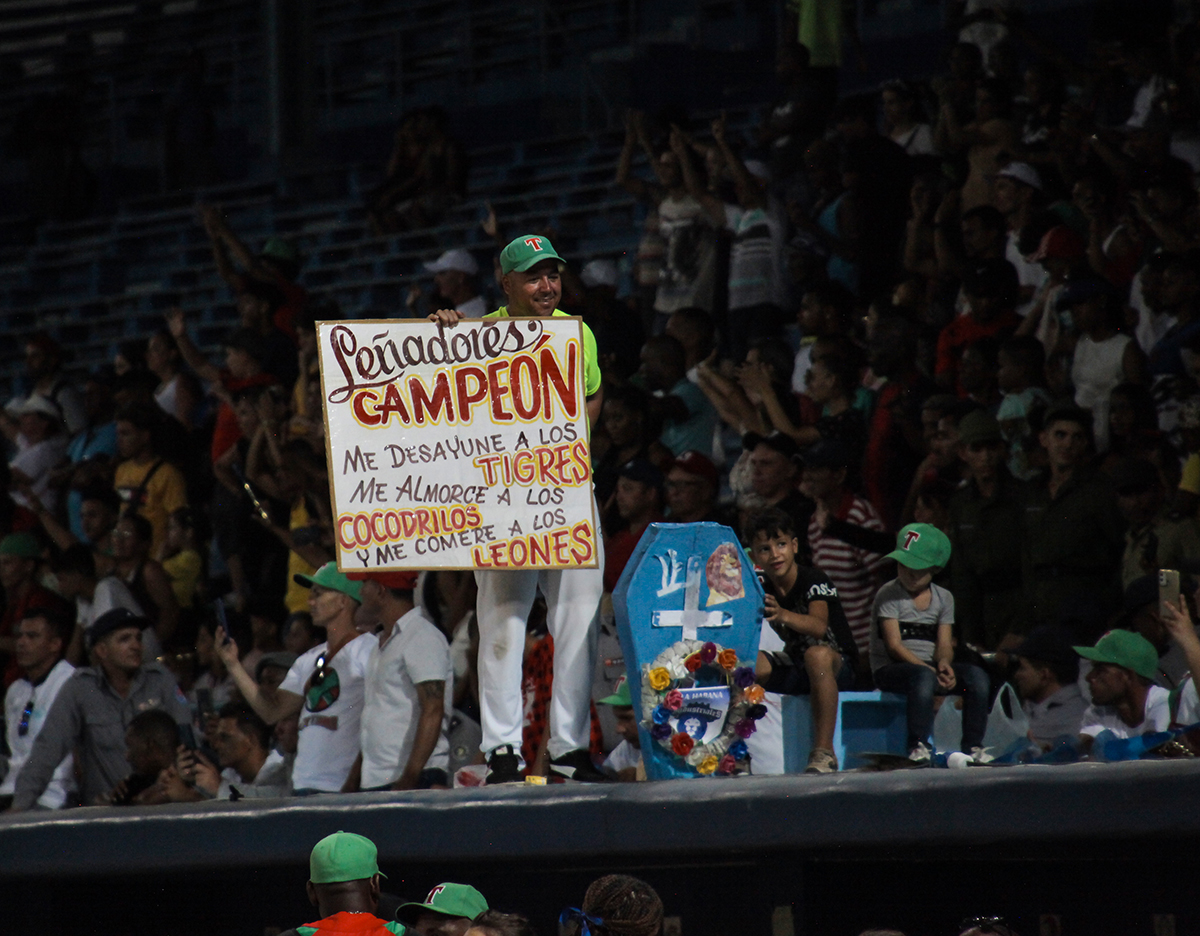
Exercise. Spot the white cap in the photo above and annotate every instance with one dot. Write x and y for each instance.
(36, 403)
(1021, 172)
(758, 169)
(456, 259)
(599, 273)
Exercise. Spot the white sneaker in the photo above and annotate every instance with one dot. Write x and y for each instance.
(920, 754)
(980, 755)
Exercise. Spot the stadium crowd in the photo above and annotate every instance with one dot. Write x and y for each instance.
(932, 351)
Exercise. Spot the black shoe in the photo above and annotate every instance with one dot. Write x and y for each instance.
(504, 766)
(577, 765)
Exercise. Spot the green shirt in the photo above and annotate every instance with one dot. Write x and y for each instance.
(591, 360)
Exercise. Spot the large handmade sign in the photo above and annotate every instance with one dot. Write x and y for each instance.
(689, 612)
(462, 448)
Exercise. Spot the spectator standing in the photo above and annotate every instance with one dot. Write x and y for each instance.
(987, 141)
(325, 685)
(774, 473)
(902, 119)
(46, 378)
(912, 650)
(277, 265)
(147, 483)
(1016, 190)
(94, 597)
(1046, 679)
(688, 418)
(1155, 537)
(854, 571)
(93, 709)
(1104, 357)
(986, 515)
(178, 393)
(1074, 534)
(409, 692)
(991, 290)
(639, 500)
(41, 447)
(454, 278)
(143, 576)
(685, 279)
(1020, 376)
(41, 641)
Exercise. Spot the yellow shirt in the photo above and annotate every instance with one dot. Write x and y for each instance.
(296, 596)
(183, 569)
(163, 494)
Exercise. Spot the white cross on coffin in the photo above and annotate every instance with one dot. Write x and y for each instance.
(691, 617)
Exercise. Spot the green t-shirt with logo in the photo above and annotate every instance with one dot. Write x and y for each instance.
(591, 359)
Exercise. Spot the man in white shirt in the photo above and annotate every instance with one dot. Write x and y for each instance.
(246, 768)
(325, 686)
(454, 275)
(1125, 700)
(41, 639)
(409, 692)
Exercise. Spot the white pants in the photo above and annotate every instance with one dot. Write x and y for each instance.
(573, 618)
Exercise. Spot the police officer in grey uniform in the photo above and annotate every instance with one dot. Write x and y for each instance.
(94, 708)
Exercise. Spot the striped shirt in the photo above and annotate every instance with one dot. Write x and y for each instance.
(855, 572)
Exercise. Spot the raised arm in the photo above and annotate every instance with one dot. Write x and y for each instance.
(271, 705)
(711, 205)
(751, 191)
(202, 366)
(634, 134)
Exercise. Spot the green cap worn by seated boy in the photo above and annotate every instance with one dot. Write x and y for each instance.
(921, 546)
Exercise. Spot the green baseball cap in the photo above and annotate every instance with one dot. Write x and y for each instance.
(621, 694)
(921, 546)
(276, 248)
(524, 251)
(452, 900)
(1124, 648)
(25, 545)
(343, 856)
(328, 576)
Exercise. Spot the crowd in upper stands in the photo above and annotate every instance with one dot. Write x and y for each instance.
(966, 307)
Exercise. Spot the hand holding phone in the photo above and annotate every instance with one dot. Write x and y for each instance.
(1168, 591)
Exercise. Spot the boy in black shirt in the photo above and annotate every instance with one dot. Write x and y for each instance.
(802, 606)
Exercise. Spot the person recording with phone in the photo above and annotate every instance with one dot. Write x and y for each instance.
(325, 686)
(245, 765)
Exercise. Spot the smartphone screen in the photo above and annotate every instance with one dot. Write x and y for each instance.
(187, 737)
(1168, 589)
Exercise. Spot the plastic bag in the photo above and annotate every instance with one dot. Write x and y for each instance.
(1007, 723)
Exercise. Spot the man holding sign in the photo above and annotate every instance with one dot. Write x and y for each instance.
(532, 283)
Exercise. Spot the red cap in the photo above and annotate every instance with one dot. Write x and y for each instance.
(401, 581)
(694, 463)
(1060, 243)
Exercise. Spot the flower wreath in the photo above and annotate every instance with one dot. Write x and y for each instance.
(676, 667)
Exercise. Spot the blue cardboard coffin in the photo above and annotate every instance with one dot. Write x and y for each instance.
(685, 586)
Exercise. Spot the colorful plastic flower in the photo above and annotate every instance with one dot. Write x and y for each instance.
(682, 744)
(727, 658)
(739, 751)
(745, 728)
(693, 663)
(659, 679)
(708, 652)
(709, 764)
(660, 732)
(727, 765)
(674, 700)
(743, 677)
(755, 694)
(661, 715)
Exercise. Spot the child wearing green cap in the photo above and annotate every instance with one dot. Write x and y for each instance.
(911, 650)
